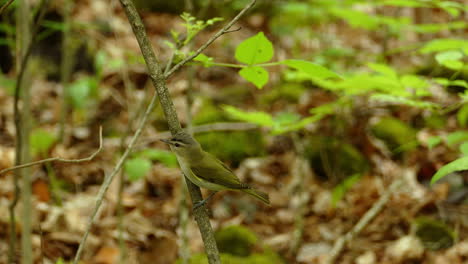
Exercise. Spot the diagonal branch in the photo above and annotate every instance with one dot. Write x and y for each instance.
(224, 30)
(5, 6)
(108, 179)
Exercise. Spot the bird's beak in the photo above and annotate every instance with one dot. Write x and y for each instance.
(167, 141)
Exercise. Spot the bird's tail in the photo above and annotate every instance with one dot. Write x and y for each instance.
(258, 194)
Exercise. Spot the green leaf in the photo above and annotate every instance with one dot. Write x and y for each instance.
(80, 91)
(383, 69)
(356, 18)
(417, 84)
(433, 142)
(205, 60)
(340, 190)
(254, 50)
(165, 157)
(443, 45)
(260, 118)
(404, 3)
(256, 75)
(311, 69)
(457, 137)
(41, 141)
(464, 148)
(450, 59)
(456, 165)
(462, 116)
(137, 168)
(404, 101)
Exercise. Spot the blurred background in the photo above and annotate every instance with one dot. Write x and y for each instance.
(351, 97)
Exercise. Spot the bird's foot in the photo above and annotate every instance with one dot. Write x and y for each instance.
(201, 203)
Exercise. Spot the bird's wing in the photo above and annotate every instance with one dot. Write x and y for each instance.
(213, 170)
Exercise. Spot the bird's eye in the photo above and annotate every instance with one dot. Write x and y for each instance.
(177, 145)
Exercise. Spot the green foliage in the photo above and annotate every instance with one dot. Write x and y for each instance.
(450, 59)
(434, 234)
(205, 60)
(194, 26)
(254, 50)
(457, 137)
(396, 134)
(233, 146)
(281, 123)
(340, 190)
(447, 82)
(439, 45)
(41, 141)
(314, 71)
(140, 164)
(235, 240)
(462, 115)
(137, 168)
(456, 165)
(165, 157)
(80, 92)
(432, 142)
(255, 117)
(256, 75)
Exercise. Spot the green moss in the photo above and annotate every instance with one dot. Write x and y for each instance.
(397, 135)
(434, 234)
(235, 240)
(233, 146)
(264, 258)
(334, 159)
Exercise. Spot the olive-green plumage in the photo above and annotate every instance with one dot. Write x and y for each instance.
(205, 170)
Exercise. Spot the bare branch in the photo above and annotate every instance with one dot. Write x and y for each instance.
(5, 6)
(38, 162)
(224, 30)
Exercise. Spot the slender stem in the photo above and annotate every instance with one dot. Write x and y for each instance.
(224, 30)
(5, 6)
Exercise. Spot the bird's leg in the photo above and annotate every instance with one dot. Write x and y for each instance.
(204, 201)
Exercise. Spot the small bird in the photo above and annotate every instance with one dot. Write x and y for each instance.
(205, 170)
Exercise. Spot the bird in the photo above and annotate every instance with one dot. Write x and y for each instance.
(205, 170)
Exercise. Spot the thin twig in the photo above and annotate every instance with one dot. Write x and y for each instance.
(364, 221)
(5, 6)
(224, 30)
(108, 179)
(38, 162)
